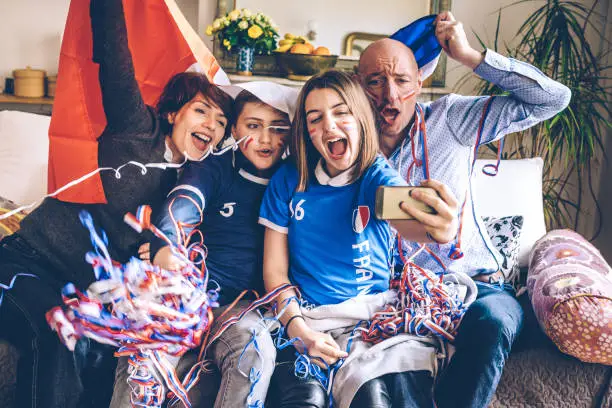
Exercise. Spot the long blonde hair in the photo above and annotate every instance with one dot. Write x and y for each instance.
(303, 152)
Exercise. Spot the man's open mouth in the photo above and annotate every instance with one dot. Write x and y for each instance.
(337, 147)
(389, 115)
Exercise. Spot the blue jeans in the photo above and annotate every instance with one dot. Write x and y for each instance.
(227, 354)
(489, 328)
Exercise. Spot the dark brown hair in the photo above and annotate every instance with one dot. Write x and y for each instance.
(303, 152)
(182, 88)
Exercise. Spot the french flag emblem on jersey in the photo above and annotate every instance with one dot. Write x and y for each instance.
(361, 217)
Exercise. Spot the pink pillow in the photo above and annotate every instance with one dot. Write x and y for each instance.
(570, 286)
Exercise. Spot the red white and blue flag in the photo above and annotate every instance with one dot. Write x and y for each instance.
(361, 217)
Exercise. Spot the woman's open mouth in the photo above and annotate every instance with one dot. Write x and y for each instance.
(200, 141)
(337, 147)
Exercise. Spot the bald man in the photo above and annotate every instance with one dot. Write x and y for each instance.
(390, 75)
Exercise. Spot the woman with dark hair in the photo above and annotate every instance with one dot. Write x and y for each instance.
(220, 198)
(49, 250)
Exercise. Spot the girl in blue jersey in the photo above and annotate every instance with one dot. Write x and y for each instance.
(322, 237)
(225, 194)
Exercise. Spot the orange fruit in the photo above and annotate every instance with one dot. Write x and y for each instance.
(310, 47)
(300, 49)
(321, 51)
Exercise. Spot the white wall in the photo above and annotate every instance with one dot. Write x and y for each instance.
(207, 12)
(30, 34)
(31, 30)
(332, 17)
(480, 17)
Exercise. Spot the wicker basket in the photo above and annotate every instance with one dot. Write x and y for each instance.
(51, 81)
(29, 83)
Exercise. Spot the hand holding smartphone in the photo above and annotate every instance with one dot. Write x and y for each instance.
(388, 199)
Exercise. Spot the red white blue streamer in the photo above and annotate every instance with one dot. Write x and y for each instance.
(147, 312)
(426, 305)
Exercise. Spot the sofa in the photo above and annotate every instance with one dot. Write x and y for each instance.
(537, 374)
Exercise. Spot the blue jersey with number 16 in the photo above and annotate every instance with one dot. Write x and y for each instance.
(337, 247)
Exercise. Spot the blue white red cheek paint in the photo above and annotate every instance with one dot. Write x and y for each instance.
(248, 141)
(347, 125)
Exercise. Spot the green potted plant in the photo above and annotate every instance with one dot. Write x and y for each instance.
(245, 33)
(553, 39)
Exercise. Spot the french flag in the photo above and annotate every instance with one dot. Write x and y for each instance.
(361, 217)
(162, 44)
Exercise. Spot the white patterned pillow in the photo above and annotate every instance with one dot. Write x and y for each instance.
(497, 197)
(505, 233)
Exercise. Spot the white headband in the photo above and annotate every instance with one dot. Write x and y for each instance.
(278, 96)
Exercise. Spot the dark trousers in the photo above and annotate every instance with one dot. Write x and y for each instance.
(485, 337)
(288, 391)
(48, 374)
(412, 389)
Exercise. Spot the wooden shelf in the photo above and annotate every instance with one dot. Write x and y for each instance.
(41, 106)
(5, 98)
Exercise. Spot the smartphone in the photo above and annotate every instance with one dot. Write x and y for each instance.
(388, 199)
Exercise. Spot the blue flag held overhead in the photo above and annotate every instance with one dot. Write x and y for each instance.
(420, 37)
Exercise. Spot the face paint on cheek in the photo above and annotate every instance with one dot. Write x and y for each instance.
(313, 132)
(409, 95)
(348, 125)
(247, 142)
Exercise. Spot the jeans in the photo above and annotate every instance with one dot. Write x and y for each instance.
(486, 334)
(225, 352)
(95, 364)
(48, 374)
(201, 395)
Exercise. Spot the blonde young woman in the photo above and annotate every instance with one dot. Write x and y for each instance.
(322, 236)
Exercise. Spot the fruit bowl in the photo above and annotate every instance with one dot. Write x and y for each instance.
(301, 67)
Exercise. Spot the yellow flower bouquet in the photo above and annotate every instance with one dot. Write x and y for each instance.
(243, 28)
